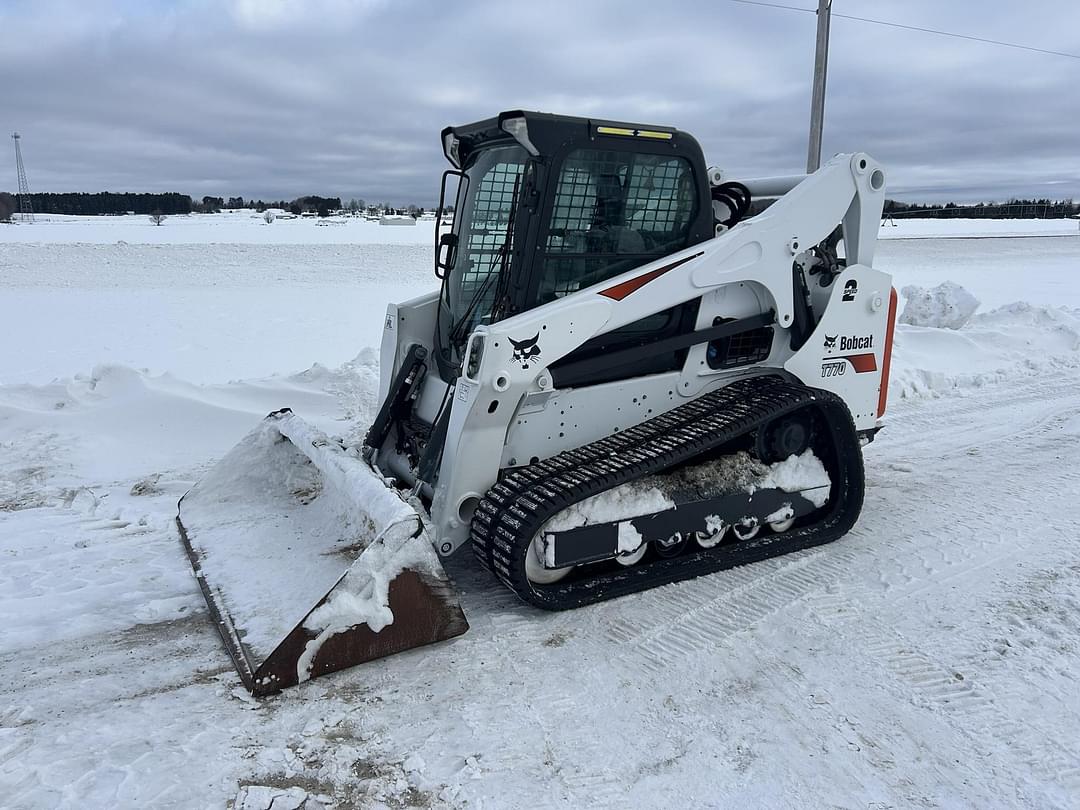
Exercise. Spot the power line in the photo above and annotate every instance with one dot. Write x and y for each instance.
(959, 36)
(775, 5)
(1002, 43)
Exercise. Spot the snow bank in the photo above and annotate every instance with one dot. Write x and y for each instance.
(215, 312)
(946, 306)
(1017, 340)
(118, 419)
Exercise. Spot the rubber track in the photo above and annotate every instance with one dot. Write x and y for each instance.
(513, 510)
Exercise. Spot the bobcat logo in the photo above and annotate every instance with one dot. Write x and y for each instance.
(830, 341)
(851, 289)
(526, 350)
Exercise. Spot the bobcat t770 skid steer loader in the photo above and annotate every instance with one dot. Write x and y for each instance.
(624, 381)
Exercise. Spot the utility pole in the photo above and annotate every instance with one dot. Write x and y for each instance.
(26, 210)
(821, 68)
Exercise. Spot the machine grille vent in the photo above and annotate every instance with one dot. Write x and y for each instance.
(742, 349)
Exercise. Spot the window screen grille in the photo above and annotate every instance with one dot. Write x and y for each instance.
(483, 223)
(612, 212)
(487, 232)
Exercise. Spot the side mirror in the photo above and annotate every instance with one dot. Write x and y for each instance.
(446, 244)
(445, 254)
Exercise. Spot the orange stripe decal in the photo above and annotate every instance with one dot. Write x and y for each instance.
(620, 291)
(861, 362)
(886, 360)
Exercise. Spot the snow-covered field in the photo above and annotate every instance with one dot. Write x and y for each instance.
(227, 227)
(928, 658)
(207, 298)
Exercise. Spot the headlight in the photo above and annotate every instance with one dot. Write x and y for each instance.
(476, 353)
(518, 129)
(452, 148)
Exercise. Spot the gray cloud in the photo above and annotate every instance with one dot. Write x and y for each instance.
(270, 98)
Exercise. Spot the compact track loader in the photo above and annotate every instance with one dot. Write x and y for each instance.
(628, 378)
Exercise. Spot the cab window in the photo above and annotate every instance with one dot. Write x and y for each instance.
(613, 211)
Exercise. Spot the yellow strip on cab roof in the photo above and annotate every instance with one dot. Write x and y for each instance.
(640, 133)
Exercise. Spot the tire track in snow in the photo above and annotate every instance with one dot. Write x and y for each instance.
(962, 501)
(68, 573)
(1020, 462)
(1040, 616)
(972, 708)
(580, 756)
(958, 422)
(144, 659)
(573, 758)
(106, 638)
(693, 625)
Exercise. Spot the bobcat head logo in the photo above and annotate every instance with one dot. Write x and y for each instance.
(830, 341)
(526, 350)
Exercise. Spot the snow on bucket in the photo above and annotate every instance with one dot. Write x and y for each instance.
(309, 561)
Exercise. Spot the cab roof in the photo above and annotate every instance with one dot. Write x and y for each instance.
(544, 133)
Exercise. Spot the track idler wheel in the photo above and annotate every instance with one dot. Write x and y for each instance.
(672, 546)
(712, 535)
(629, 558)
(535, 569)
(781, 526)
(790, 435)
(747, 528)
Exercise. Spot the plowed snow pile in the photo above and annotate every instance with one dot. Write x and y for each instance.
(1011, 342)
(946, 306)
(928, 658)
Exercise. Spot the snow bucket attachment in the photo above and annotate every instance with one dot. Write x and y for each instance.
(309, 561)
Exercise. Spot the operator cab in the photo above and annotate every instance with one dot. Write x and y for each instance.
(547, 205)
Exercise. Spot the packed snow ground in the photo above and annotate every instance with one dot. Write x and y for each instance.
(929, 657)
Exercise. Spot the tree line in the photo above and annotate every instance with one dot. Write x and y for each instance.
(322, 206)
(1012, 209)
(107, 202)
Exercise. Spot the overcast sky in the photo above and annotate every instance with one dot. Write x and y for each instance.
(274, 99)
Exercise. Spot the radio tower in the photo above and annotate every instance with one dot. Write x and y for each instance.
(26, 210)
